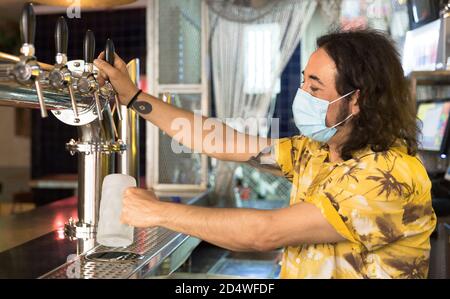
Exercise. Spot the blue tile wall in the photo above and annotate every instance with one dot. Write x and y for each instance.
(290, 82)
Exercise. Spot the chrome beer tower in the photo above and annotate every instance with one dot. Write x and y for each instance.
(70, 90)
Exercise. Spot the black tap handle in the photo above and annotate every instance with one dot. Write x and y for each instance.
(109, 51)
(61, 36)
(28, 24)
(89, 47)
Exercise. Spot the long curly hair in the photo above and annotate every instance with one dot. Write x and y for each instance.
(367, 60)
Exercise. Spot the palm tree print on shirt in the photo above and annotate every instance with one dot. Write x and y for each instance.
(387, 183)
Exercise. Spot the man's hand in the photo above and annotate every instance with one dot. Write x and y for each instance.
(118, 76)
(141, 208)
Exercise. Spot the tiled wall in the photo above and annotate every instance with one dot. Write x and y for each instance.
(290, 82)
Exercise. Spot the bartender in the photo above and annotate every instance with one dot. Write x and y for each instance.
(360, 204)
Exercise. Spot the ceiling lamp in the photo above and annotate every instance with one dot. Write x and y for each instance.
(85, 3)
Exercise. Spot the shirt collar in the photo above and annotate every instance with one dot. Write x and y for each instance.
(319, 149)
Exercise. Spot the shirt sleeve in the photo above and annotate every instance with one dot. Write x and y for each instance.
(377, 206)
(364, 219)
(286, 152)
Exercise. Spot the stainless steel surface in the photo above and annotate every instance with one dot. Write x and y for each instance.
(61, 77)
(86, 113)
(13, 58)
(117, 106)
(79, 230)
(128, 163)
(93, 165)
(98, 107)
(113, 256)
(48, 252)
(27, 71)
(25, 84)
(17, 95)
(97, 142)
(41, 100)
(73, 100)
(96, 147)
(154, 244)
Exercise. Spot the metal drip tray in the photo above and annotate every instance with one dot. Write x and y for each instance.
(151, 247)
(114, 256)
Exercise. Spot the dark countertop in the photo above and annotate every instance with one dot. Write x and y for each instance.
(17, 229)
(36, 257)
(33, 243)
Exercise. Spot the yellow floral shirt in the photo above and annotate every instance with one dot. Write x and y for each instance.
(379, 202)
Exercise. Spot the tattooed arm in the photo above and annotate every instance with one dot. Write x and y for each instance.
(192, 130)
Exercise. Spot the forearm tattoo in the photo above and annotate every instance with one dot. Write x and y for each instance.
(142, 107)
(265, 161)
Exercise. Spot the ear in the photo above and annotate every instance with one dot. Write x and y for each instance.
(354, 103)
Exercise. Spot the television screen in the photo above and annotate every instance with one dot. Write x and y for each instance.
(422, 12)
(421, 47)
(434, 117)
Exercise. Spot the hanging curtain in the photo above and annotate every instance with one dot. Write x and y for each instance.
(330, 11)
(250, 43)
(325, 18)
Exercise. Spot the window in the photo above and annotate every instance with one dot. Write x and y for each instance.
(261, 57)
(177, 49)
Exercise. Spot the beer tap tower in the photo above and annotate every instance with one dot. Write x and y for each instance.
(106, 144)
(69, 89)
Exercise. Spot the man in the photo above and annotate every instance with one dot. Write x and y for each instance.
(360, 205)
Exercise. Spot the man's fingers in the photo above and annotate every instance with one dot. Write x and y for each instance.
(118, 62)
(101, 55)
(130, 192)
(105, 67)
(101, 79)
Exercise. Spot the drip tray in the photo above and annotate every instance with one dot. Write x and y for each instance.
(113, 256)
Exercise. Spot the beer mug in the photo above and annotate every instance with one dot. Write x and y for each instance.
(110, 231)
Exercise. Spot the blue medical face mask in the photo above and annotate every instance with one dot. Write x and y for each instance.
(310, 116)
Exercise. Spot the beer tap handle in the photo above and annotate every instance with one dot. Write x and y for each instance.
(28, 32)
(61, 37)
(73, 101)
(40, 98)
(28, 29)
(89, 47)
(61, 44)
(109, 57)
(89, 51)
(109, 51)
(97, 105)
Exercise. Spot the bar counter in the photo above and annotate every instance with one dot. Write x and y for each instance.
(41, 250)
